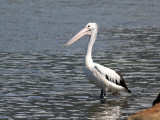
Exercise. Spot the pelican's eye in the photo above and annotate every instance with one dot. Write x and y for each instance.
(89, 26)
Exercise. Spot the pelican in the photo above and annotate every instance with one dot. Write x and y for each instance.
(105, 78)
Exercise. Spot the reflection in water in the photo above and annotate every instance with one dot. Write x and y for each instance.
(106, 111)
(110, 113)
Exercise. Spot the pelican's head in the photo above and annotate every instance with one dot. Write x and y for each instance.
(88, 30)
(92, 26)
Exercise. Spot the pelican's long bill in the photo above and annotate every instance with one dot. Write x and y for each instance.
(83, 32)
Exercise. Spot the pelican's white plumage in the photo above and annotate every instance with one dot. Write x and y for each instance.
(103, 77)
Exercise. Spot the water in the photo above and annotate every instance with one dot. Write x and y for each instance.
(41, 80)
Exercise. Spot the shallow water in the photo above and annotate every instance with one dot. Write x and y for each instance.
(40, 80)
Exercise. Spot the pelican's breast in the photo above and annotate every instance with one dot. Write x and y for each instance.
(95, 77)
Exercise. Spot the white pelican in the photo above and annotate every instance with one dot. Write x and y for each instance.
(103, 77)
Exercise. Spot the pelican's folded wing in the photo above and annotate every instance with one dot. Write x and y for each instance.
(111, 75)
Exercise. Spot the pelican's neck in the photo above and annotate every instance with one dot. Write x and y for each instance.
(88, 56)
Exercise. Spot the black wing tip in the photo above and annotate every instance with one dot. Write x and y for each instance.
(122, 82)
(128, 91)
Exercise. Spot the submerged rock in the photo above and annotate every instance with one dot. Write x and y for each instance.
(152, 113)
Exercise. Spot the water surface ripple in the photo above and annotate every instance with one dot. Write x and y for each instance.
(48, 86)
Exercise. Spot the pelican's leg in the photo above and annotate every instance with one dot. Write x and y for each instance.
(103, 94)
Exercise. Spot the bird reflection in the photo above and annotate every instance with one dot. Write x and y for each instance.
(107, 110)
